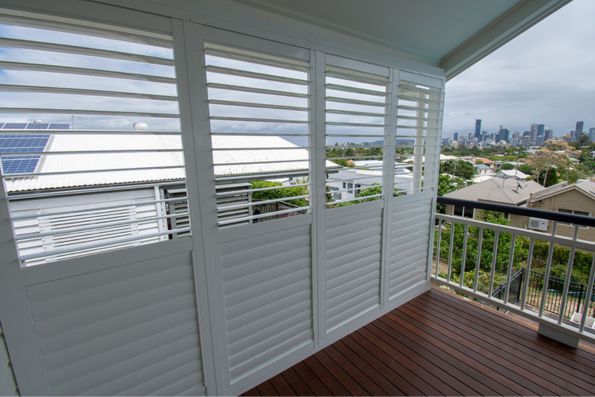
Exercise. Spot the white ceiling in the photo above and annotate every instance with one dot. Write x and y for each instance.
(428, 29)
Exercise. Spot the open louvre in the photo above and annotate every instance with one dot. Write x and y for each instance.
(356, 109)
(98, 81)
(259, 111)
(419, 110)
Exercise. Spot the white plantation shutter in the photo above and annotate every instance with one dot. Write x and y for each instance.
(258, 106)
(83, 183)
(419, 111)
(357, 98)
(419, 114)
(87, 109)
(356, 116)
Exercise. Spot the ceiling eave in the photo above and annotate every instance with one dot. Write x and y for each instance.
(503, 29)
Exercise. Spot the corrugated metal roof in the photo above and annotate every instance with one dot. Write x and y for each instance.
(498, 190)
(107, 161)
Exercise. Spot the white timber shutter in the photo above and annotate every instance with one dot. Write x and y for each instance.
(89, 137)
(419, 114)
(87, 111)
(259, 108)
(356, 96)
(258, 105)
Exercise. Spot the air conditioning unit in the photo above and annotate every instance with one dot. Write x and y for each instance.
(538, 224)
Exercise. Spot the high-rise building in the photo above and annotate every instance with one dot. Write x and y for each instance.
(503, 135)
(533, 134)
(578, 130)
(516, 138)
(592, 134)
(540, 129)
(478, 129)
(455, 136)
(549, 134)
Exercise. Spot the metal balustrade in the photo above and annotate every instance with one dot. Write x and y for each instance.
(542, 275)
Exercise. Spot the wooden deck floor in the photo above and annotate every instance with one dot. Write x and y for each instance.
(439, 344)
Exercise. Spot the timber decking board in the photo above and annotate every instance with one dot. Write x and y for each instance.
(439, 344)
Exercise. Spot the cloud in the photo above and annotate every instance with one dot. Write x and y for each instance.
(543, 76)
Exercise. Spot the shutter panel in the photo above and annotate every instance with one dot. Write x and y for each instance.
(258, 106)
(99, 113)
(356, 117)
(357, 96)
(419, 113)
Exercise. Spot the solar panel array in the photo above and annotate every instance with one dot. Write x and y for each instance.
(17, 162)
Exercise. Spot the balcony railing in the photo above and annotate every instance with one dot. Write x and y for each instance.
(542, 275)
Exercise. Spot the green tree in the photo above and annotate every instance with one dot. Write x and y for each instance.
(507, 166)
(279, 193)
(460, 168)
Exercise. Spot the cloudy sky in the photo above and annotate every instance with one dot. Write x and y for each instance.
(546, 76)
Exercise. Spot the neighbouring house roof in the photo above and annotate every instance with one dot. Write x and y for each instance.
(481, 166)
(498, 190)
(403, 180)
(514, 174)
(102, 161)
(586, 187)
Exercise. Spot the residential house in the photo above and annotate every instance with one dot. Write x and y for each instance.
(577, 198)
(496, 190)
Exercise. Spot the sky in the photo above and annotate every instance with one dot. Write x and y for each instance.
(546, 75)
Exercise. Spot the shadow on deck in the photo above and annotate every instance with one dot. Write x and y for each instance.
(440, 344)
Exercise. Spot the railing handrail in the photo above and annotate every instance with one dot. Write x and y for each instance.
(582, 220)
(556, 239)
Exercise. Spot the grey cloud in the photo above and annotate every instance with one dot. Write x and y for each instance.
(543, 76)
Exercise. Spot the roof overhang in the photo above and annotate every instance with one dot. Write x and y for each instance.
(450, 34)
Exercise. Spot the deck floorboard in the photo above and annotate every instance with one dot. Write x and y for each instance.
(440, 344)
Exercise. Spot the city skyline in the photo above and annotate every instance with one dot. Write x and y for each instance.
(535, 79)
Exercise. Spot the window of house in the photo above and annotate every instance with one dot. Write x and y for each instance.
(89, 137)
(466, 212)
(575, 212)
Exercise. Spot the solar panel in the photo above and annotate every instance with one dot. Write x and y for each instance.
(59, 126)
(37, 126)
(14, 126)
(20, 163)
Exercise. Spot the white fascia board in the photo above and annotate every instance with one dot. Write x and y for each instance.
(502, 30)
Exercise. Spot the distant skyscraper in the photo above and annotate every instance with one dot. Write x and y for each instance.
(549, 134)
(455, 136)
(578, 130)
(503, 135)
(592, 134)
(478, 129)
(533, 134)
(516, 138)
(540, 129)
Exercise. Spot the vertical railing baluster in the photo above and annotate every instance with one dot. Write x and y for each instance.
(527, 277)
(509, 270)
(464, 258)
(478, 260)
(548, 268)
(494, 258)
(438, 246)
(450, 249)
(588, 294)
(569, 266)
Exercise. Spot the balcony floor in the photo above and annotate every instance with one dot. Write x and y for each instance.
(440, 344)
